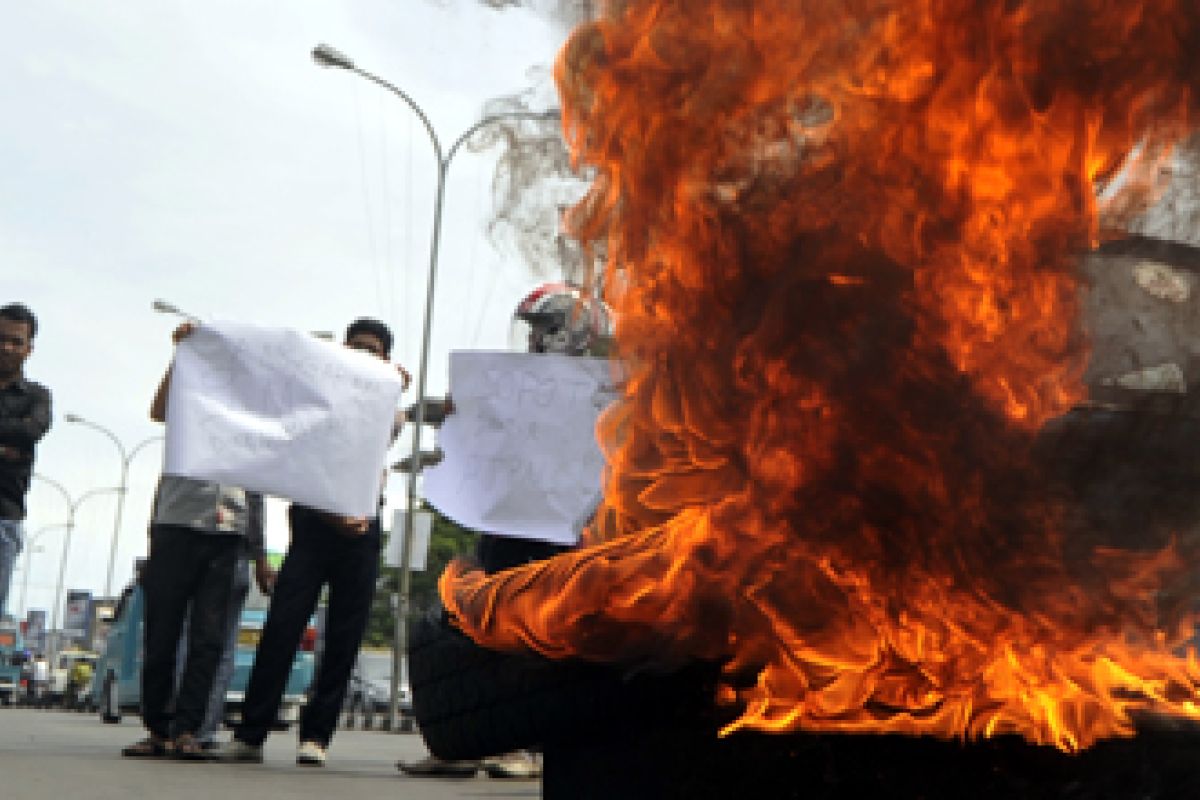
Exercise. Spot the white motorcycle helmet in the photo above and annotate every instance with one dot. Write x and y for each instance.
(557, 318)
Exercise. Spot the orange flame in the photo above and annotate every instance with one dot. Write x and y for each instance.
(843, 240)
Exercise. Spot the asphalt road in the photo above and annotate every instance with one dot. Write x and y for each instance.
(56, 755)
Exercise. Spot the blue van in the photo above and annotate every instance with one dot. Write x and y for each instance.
(117, 685)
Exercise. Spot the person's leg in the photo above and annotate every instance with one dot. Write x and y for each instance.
(167, 581)
(10, 547)
(206, 629)
(292, 603)
(182, 649)
(352, 576)
(215, 713)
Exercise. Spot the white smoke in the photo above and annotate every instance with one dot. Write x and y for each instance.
(534, 182)
(568, 13)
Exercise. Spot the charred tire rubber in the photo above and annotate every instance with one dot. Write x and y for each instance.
(470, 702)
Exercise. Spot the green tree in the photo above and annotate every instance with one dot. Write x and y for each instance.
(447, 540)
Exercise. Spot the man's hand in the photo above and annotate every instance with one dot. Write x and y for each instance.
(347, 526)
(158, 406)
(264, 576)
(351, 526)
(184, 330)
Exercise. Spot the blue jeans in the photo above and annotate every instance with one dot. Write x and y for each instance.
(11, 539)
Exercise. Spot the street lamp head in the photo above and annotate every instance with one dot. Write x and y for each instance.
(327, 56)
(73, 418)
(163, 307)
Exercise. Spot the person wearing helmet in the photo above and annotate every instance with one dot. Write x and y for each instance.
(558, 319)
(553, 318)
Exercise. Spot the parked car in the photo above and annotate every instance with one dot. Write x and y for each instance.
(368, 695)
(295, 693)
(117, 686)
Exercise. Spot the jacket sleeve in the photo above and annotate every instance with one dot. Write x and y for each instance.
(24, 432)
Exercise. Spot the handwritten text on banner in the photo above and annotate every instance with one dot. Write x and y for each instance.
(521, 457)
(283, 413)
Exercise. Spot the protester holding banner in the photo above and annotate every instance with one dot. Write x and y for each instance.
(199, 533)
(553, 319)
(24, 420)
(341, 552)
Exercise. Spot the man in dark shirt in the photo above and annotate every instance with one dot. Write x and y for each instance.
(24, 419)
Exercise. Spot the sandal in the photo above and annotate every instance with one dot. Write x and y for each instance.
(187, 748)
(150, 747)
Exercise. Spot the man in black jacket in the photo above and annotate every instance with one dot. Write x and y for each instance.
(24, 419)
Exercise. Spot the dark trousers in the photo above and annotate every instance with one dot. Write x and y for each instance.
(498, 553)
(318, 555)
(188, 572)
(214, 714)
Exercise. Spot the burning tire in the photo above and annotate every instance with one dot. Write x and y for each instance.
(472, 702)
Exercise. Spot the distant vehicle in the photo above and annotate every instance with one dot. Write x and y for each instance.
(295, 693)
(117, 686)
(368, 695)
(12, 657)
(60, 676)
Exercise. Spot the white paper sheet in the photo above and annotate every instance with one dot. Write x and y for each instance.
(283, 413)
(521, 457)
(419, 552)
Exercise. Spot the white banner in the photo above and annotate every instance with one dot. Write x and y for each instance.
(521, 457)
(283, 413)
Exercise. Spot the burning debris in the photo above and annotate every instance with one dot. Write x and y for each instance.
(855, 462)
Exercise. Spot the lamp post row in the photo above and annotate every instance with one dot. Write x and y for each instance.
(73, 505)
(29, 551)
(122, 487)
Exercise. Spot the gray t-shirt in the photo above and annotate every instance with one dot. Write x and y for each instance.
(208, 507)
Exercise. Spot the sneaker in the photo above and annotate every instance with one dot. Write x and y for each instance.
(519, 765)
(310, 754)
(434, 767)
(237, 750)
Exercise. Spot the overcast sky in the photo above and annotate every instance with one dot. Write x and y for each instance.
(194, 152)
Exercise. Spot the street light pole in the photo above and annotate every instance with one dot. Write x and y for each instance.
(59, 598)
(327, 56)
(29, 564)
(122, 487)
(72, 506)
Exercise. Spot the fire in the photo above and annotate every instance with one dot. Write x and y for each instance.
(843, 241)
